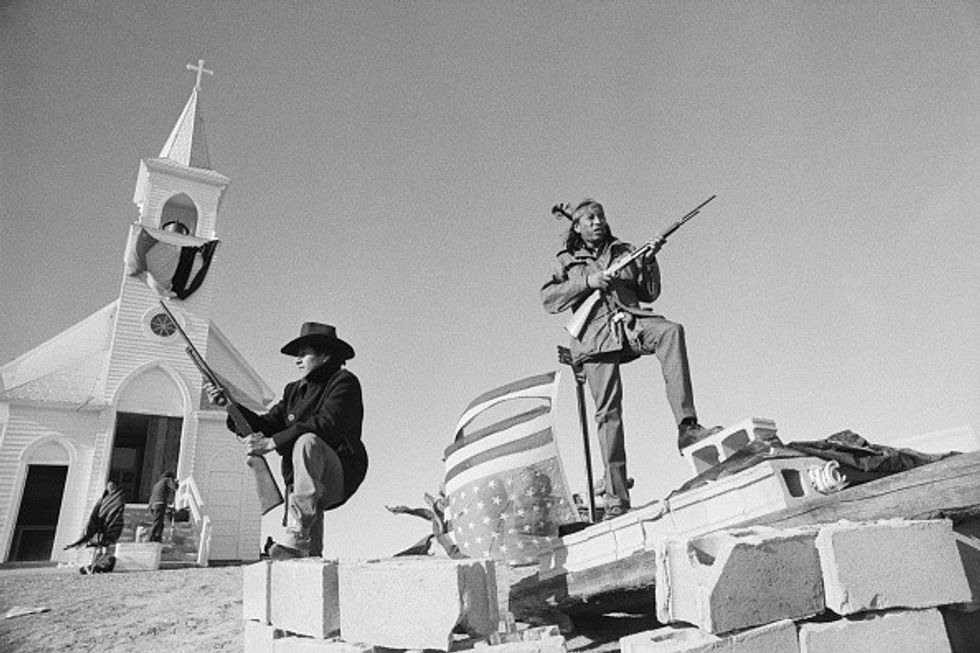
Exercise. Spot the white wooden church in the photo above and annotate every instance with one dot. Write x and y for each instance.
(116, 398)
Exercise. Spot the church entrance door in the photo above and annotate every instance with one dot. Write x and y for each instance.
(144, 448)
(37, 519)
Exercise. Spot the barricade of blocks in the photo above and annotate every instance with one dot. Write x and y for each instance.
(873, 586)
(764, 488)
(408, 603)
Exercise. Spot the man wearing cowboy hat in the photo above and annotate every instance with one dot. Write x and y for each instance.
(316, 428)
(618, 331)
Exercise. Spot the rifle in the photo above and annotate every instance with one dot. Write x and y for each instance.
(269, 495)
(581, 315)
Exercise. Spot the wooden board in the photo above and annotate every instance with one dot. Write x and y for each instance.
(949, 488)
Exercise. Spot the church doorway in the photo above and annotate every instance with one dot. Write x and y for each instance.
(40, 506)
(144, 448)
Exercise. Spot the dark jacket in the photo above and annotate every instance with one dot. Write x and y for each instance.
(567, 289)
(331, 408)
(163, 492)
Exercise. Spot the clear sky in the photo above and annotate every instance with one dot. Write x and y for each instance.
(393, 165)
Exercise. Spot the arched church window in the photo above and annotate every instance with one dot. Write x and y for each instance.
(181, 212)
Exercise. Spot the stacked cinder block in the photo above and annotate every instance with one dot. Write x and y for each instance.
(764, 488)
(409, 603)
(861, 587)
(706, 453)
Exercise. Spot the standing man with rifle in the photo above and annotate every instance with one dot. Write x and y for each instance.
(316, 428)
(603, 280)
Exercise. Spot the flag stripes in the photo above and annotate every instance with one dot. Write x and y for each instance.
(505, 487)
(534, 387)
(514, 453)
(470, 441)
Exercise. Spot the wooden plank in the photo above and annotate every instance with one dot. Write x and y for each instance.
(948, 488)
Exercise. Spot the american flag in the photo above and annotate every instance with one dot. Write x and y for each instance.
(504, 483)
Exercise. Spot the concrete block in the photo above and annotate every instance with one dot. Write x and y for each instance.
(260, 638)
(762, 489)
(256, 594)
(304, 597)
(552, 644)
(890, 564)
(511, 635)
(525, 642)
(707, 453)
(737, 579)
(294, 644)
(629, 539)
(587, 548)
(416, 603)
(137, 556)
(655, 530)
(903, 631)
(777, 637)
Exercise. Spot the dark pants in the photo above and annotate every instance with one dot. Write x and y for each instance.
(159, 512)
(650, 335)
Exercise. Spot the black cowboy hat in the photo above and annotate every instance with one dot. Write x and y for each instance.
(319, 336)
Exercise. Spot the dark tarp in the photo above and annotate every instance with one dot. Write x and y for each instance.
(859, 460)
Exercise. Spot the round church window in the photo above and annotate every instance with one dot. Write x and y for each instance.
(162, 325)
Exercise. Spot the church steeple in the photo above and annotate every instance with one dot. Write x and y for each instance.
(187, 143)
(178, 190)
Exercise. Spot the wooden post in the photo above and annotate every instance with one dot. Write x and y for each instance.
(565, 357)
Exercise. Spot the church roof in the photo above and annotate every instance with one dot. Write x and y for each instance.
(187, 143)
(70, 369)
(67, 369)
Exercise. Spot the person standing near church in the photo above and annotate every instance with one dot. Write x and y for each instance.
(316, 429)
(161, 498)
(105, 523)
(618, 331)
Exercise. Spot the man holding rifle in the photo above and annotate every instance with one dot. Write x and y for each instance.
(316, 428)
(616, 330)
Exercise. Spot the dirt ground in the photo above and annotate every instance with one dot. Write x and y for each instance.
(188, 610)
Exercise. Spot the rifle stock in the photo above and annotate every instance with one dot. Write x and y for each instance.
(576, 324)
(270, 496)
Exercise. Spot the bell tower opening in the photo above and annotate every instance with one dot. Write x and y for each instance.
(179, 215)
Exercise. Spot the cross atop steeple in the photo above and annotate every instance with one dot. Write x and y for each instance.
(199, 69)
